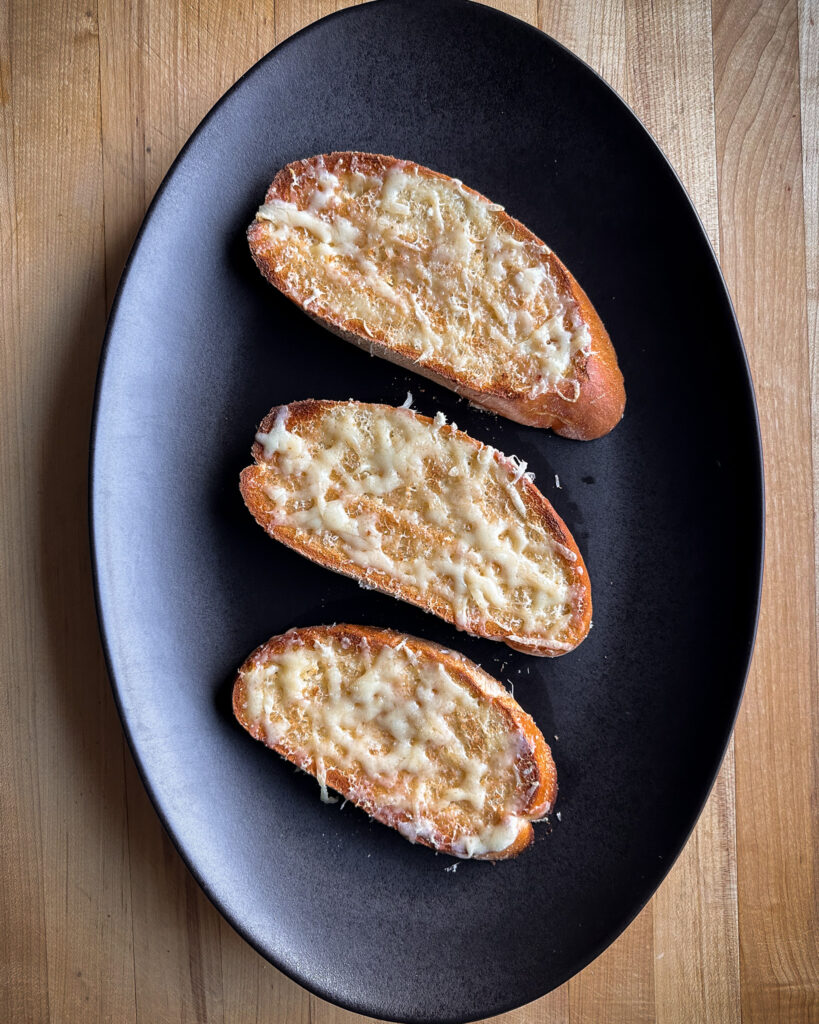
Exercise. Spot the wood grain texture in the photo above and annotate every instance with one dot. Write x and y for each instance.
(759, 159)
(100, 920)
(809, 96)
(23, 953)
(69, 855)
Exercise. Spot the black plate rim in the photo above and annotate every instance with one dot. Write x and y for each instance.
(755, 599)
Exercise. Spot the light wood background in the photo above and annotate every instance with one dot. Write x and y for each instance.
(99, 919)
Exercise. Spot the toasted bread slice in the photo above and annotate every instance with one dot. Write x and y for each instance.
(416, 508)
(415, 267)
(420, 737)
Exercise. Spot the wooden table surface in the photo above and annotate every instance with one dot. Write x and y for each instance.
(100, 920)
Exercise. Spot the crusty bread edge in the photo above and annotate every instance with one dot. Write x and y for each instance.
(250, 484)
(536, 757)
(601, 400)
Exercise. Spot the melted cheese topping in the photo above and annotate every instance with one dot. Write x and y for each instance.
(406, 733)
(436, 270)
(423, 510)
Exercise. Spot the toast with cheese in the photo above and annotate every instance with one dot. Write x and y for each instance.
(417, 268)
(418, 736)
(418, 509)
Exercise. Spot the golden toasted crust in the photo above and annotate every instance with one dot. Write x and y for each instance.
(310, 412)
(534, 766)
(600, 400)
